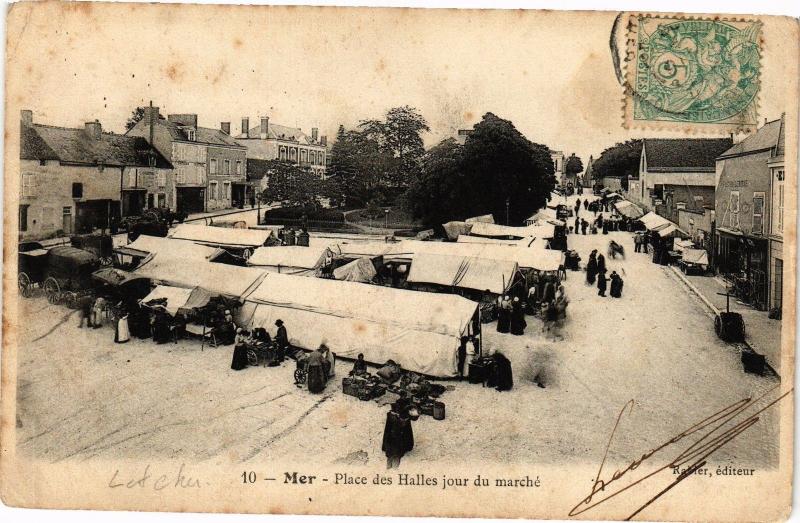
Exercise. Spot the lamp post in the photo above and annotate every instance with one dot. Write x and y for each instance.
(386, 218)
(508, 203)
(258, 202)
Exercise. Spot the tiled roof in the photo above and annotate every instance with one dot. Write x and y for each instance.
(763, 139)
(44, 142)
(202, 134)
(279, 132)
(684, 154)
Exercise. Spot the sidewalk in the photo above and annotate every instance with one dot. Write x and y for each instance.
(761, 333)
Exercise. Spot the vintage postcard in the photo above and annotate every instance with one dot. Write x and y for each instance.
(409, 262)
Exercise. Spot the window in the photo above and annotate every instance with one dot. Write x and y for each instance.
(238, 167)
(733, 208)
(283, 153)
(180, 176)
(162, 200)
(226, 187)
(293, 154)
(212, 191)
(23, 218)
(213, 166)
(132, 178)
(28, 185)
(758, 213)
(162, 179)
(190, 134)
(303, 156)
(77, 190)
(227, 167)
(780, 207)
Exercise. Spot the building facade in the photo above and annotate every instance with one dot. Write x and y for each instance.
(210, 167)
(677, 171)
(558, 166)
(74, 180)
(743, 193)
(777, 222)
(270, 141)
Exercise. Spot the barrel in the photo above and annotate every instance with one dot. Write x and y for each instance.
(438, 410)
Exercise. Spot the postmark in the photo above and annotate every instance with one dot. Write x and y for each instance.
(684, 72)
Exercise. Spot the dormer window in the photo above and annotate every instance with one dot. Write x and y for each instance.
(190, 134)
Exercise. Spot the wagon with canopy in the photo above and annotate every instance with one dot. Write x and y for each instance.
(63, 272)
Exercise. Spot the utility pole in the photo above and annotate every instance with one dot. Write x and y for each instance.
(508, 203)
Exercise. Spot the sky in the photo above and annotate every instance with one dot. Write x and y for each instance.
(550, 73)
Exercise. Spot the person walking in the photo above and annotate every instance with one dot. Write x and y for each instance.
(637, 243)
(601, 263)
(281, 340)
(577, 224)
(586, 204)
(591, 267)
(122, 334)
(601, 283)
(584, 225)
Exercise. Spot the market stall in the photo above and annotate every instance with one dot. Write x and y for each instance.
(300, 261)
(463, 273)
(241, 242)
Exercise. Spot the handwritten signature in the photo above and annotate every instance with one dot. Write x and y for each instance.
(711, 438)
(146, 479)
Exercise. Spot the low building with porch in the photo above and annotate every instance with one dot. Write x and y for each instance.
(74, 180)
(742, 241)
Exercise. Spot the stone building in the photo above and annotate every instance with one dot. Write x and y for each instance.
(73, 180)
(210, 167)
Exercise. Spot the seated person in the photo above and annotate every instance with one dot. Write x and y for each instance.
(390, 372)
(359, 367)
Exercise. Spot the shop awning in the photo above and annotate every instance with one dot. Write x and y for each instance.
(695, 256)
(221, 236)
(218, 278)
(303, 261)
(173, 299)
(480, 274)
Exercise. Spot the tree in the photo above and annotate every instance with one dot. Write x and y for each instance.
(621, 161)
(359, 168)
(495, 171)
(292, 185)
(400, 136)
(136, 115)
(574, 165)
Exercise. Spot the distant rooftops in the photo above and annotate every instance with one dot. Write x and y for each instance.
(684, 154)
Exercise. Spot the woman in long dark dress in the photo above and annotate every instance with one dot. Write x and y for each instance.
(616, 285)
(504, 315)
(161, 330)
(517, 324)
(601, 263)
(239, 360)
(316, 372)
(503, 378)
(398, 437)
(591, 268)
(601, 283)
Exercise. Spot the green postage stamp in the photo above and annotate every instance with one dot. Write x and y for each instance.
(684, 71)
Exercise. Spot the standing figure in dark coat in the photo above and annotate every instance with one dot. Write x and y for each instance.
(584, 225)
(139, 322)
(398, 437)
(601, 283)
(281, 340)
(518, 324)
(503, 377)
(316, 372)
(577, 224)
(606, 225)
(239, 360)
(85, 304)
(591, 268)
(601, 263)
(616, 285)
(161, 328)
(504, 315)
(586, 204)
(577, 206)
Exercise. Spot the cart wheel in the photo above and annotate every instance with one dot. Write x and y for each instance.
(52, 290)
(25, 286)
(299, 376)
(106, 261)
(252, 358)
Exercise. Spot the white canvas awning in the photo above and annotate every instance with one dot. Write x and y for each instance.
(221, 236)
(174, 297)
(219, 279)
(421, 331)
(454, 228)
(486, 218)
(526, 258)
(464, 272)
(360, 270)
(491, 230)
(696, 256)
(145, 245)
(302, 261)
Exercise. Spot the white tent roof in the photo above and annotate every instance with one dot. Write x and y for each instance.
(221, 236)
(360, 270)
(217, 278)
(652, 220)
(540, 243)
(176, 297)
(421, 331)
(486, 218)
(698, 256)
(290, 258)
(463, 271)
(172, 248)
(533, 258)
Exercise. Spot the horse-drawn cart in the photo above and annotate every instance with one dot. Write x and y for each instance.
(63, 272)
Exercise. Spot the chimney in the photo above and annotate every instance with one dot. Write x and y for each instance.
(26, 115)
(226, 127)
(245, 127)
(323, 140)
(314, 134)
(264, 127)
(94, 129)
(150, 118)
